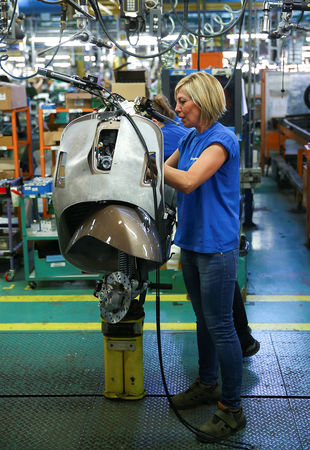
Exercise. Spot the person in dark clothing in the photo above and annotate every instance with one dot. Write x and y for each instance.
(249, 345)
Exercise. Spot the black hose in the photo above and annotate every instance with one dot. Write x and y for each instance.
(228, 442)
(237, 53)
(94, 5)
(158, 220)
(79, 9)
(6, 57)
(220, 33)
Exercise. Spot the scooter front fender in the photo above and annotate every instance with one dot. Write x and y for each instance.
(95, 244)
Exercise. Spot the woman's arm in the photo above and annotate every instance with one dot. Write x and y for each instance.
(173, 159)
(211, 159)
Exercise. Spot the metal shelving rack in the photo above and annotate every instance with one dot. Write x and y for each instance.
(17, 143)
(12, 245)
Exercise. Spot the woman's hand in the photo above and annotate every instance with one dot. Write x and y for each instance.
(148, 174)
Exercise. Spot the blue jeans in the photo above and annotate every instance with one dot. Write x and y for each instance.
(210, 282)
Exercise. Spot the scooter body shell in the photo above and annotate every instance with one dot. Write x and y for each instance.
(103, 207)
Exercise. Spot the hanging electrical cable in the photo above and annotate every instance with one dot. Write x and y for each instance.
(199, 33)
(95, 7)
(214, 34)
(5, 57)
(74, 6)
(237, 52)
(190, 41)
(11, 21)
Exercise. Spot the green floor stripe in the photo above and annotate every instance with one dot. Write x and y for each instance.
(96, 326)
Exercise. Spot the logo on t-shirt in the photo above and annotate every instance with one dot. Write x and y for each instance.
(193, 159)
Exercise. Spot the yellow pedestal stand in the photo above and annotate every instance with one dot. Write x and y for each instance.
(123, 359)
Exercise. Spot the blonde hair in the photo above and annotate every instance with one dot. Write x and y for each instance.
(206, 92)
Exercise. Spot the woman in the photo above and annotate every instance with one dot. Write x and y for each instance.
(172, 133)
(205, 172)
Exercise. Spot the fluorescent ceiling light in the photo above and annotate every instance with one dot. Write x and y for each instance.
(245, 36)
(17, 58)
(143, 40)
(170, 37)
(229, 54)
(57, 57)
(53, 41)
(148, 40)
(61, 64)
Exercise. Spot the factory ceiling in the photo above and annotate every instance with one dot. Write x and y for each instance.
(111, 7)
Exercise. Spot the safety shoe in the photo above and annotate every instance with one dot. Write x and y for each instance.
(223, 424)
(251, 349)
(197, 394)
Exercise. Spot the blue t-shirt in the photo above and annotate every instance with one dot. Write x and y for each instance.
(208, 217)
(172, 134)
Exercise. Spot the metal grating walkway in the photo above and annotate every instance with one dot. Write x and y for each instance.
(51, 387)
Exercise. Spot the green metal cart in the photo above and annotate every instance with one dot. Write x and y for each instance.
(49, 267)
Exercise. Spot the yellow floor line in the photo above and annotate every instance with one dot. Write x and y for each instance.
(150, 298)
(47, 298)
(96, 326)
(79, 298)
(9, 287)
(278, 298)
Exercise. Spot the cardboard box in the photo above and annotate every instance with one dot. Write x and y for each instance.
(48, 137)
(129, 90)
(52, 137)
(78, 100)
(12, 96)
(7, 174)
(57, 135)
(129, 83)
(7, 168)
(7, 164)
(6, 141)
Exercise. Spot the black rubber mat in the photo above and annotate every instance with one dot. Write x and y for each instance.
(97, 423)
(73, 363)
(51, 394)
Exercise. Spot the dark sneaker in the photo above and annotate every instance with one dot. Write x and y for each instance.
(223, 424)
(197, 394)
(251, 350)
